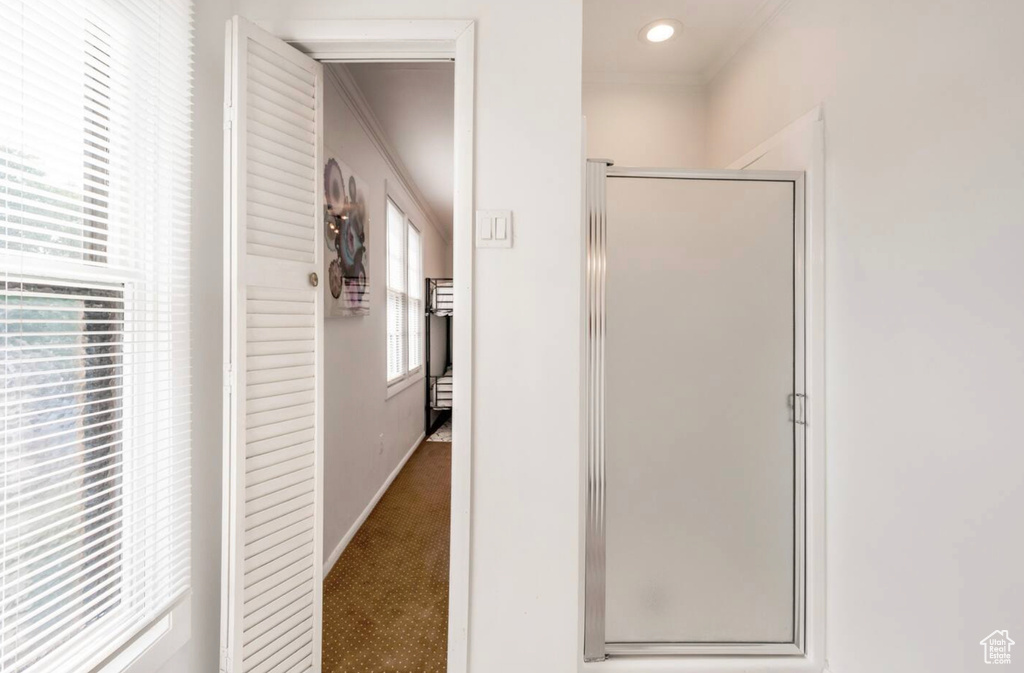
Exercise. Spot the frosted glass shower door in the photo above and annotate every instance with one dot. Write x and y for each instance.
(702, 469)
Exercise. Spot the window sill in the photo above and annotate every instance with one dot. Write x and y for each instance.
(153, 647)
(401, 384)
(142, 649)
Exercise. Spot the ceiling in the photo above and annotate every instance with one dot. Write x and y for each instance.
(713, 31)
(414, 104)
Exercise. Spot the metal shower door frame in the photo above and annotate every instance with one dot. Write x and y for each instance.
(595, 646)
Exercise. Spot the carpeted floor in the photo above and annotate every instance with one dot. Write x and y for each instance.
(386, 599)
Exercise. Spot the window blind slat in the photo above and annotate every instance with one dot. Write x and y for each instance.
(103, 535)
(100, 593)
(98, 542)
(55, 570)
(113, 485)
(103, 597)
(95, 135)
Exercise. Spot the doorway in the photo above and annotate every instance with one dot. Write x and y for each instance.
(277, 303)
(388, 154)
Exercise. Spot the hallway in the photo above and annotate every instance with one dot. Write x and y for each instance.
(386, 599)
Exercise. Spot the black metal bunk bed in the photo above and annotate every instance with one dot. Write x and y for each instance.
(440, 302)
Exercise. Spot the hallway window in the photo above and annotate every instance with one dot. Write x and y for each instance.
(405, 296)
(95, 145)
(415, 300)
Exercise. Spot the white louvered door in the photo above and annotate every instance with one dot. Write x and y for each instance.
(273, 365)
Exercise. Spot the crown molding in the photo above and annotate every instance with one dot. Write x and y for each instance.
(762, 17)
(346, 86)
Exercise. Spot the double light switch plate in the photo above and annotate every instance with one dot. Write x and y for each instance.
(494, 228)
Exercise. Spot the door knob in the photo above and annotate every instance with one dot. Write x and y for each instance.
(314, 280)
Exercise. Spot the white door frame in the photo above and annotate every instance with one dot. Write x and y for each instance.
(341, 40)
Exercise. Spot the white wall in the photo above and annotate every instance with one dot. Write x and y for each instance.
(524, 567)
(201, 653)
(784, 72)
(366, 435)
(925, 363)
(638, 123)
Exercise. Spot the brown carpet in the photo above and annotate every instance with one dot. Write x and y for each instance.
(386, 599)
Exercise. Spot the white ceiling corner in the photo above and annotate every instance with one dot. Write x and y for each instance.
(714, 31)
(762, 17)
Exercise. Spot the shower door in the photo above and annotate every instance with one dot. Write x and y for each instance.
(695, 451)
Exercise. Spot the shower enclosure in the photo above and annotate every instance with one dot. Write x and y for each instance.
(694, 411)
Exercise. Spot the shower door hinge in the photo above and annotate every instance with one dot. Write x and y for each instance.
(797, 404)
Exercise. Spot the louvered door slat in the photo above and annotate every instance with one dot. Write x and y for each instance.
(259, 447)
(294, 593)
(287, 554)
(257, 463)
(281, 658)
(285, 515)
(272, 612)
(272, 558)
(278, 189)
(271, 163)
(281, 101)
(289, 619)
(270, 514)
(270, 141)
(258, 507)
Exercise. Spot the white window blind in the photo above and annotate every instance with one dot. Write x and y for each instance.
(397, 293)
(405, 295)
(415, 299)
(95, 142)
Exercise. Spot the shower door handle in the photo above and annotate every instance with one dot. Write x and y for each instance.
(797, 404)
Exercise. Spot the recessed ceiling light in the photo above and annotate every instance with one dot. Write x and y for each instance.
(660, 30)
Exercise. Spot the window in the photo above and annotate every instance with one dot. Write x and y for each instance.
(415, 300)
(405, 296)
(94, 322)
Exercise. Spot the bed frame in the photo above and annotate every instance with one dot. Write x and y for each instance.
(440, 294)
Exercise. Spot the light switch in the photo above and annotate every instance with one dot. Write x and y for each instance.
(494, 228)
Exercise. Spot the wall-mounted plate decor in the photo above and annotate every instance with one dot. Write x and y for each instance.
(346, 228)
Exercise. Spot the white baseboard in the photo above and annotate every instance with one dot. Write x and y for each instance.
(336, 554)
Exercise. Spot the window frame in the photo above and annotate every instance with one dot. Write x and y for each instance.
(413, 375)
(146, 645)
